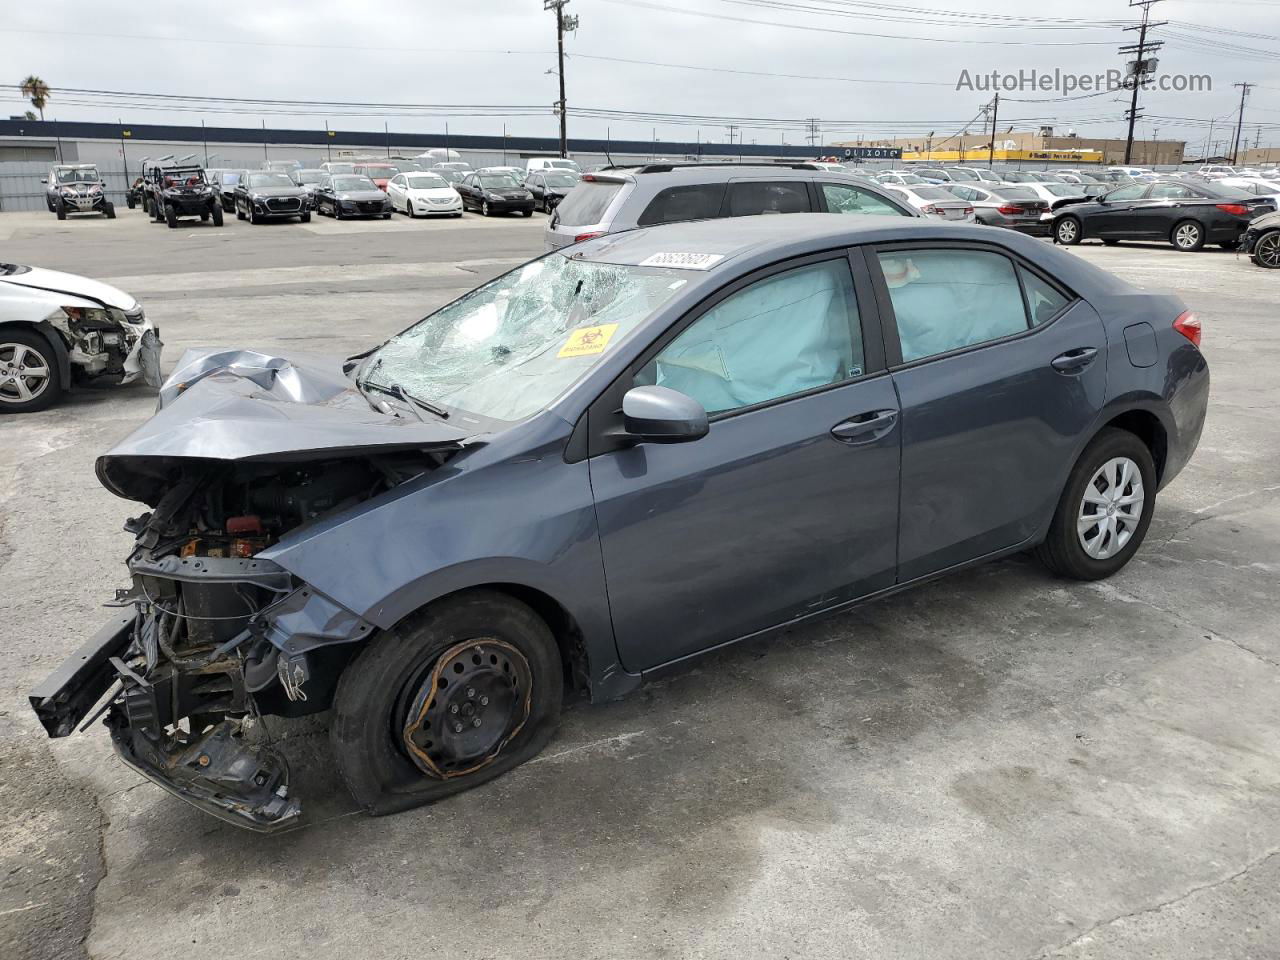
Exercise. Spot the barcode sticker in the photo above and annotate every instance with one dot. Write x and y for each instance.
(683, 261)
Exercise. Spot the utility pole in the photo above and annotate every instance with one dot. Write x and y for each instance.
(1235, 148)
(995, 115)
(1141, 65)
(563, 23)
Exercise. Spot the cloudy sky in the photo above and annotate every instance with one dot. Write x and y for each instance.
(680, 68)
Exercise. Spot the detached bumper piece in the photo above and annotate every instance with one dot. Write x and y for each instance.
(219, 772)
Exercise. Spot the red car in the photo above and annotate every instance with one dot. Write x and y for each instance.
(379, 173)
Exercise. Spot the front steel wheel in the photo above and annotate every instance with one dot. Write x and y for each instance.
(458, 693)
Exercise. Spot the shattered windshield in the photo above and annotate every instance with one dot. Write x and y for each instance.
(509, 348)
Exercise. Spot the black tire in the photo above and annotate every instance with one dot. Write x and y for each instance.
(377, 690)
(305, 218)
(546, 207)
(60, 210)
(1067, 231)
(129, 201)
(52, 389)
(204, 217)
(1187, 236)
(170, 215)
(1062, 551)
(337, 212)
(458, 214)
(386, 216)
(49, 203)
(109, 209)
(1266, 251)
(239, 212)
(216, 212)
(484, 209)
(156, 213)
(527, 213)
(253, 215)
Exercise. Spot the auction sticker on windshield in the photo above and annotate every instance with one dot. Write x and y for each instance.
(683, 261)
(587, 341)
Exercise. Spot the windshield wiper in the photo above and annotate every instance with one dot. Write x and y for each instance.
(399, 392)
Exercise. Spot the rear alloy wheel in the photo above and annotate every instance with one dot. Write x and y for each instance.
(1105, 509)
(457, 694)
(1188, 236)
(1067, 231)
(28, 372)
(1266, 252)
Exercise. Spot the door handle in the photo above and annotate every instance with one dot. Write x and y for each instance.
(865, 427)
(1073, 361)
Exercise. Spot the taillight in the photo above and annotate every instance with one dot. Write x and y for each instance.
(968, 211)
(1010, 208)
(588, 236)
(929, 211)
(1235, 209)
(589, 178)
(1188, 324)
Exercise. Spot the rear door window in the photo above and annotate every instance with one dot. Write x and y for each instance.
(844, 198)
(944, 300)
(750, 198)
(700, 201)
(586, 203)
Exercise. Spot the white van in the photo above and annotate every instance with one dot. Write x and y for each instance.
(551, 163)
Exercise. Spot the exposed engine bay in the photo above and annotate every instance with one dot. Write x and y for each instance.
(210, 639)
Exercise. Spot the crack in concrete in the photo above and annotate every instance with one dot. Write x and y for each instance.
(1208, 632)
(1155, 908)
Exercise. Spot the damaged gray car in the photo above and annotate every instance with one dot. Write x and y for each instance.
(605, 462)
(58, 329)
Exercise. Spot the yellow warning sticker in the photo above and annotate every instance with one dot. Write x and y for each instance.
(587, 341)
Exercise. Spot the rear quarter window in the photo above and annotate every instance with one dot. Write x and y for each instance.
(700, 201)
(586, 203)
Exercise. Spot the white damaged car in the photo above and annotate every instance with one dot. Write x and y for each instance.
(58, 329)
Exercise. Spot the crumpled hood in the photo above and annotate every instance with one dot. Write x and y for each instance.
(241, 405)
(55, 282)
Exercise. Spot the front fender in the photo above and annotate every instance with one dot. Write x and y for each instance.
(509, 512)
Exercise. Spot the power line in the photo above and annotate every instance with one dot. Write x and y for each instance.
(1141, 67)
(633, 4)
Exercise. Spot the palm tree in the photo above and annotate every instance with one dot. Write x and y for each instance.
(37, 91)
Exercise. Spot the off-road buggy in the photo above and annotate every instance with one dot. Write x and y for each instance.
(77, 188)
(180, 190)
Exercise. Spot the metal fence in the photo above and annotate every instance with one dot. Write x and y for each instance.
(21, 189)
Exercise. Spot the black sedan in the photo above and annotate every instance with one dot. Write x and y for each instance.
(492, 193)
(270, 195)
(549, 187)
(1186, 214)
(351, 195)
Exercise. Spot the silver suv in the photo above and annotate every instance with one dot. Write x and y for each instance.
(624, 198)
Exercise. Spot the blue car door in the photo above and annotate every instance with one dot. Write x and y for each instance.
(1000, 372)
(790, 503)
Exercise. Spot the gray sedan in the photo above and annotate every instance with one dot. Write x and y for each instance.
(1015, 207)
(600, 465)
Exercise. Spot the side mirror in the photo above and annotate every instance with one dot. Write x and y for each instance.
(44, 179)
(661, 415)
